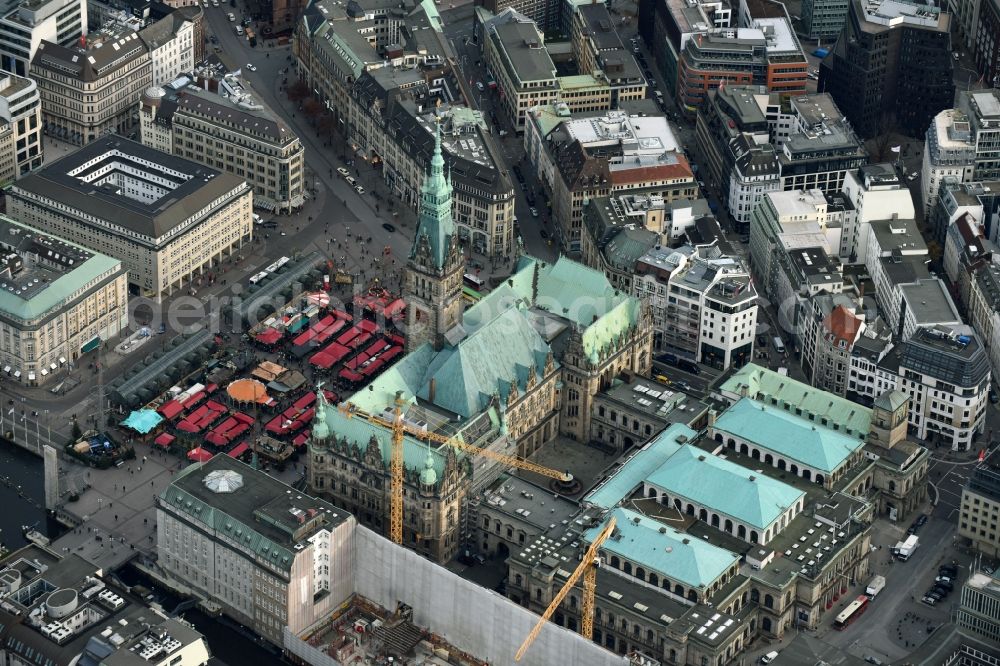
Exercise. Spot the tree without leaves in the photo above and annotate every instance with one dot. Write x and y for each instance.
(298, 91)
(312, 108)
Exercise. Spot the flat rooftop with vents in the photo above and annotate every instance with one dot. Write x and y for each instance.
(146, 191)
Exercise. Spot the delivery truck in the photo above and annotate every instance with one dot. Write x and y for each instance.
(875, 586)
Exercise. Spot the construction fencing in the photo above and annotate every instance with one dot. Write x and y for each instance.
(470, 617)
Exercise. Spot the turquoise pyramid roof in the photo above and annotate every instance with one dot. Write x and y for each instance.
(673, 554)
(710, 481)
(792, 436)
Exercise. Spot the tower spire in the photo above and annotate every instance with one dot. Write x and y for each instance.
(435, 226)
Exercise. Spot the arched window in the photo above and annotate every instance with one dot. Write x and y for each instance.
(654, 579)
(651, 492)
(678, 590)
(807, 475)
(702, 514)
(538, 594)
(518, 580)
(754, 595)
(690, 509)
(718, 437)
(819, 479)
(744, 449)
(753, 536)
(572, 601)
(769, 459)
(765, 624)
(627, 567)
(768, 601)
(615, 562)
(640, 573)
(729, 526)
(741, 532)
(715, 520)
(892, 486)
(692, 595)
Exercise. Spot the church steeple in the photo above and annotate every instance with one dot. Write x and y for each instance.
(435, 226)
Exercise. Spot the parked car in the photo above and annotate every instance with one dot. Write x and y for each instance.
(251, 67)
(688, 366)
(769, 657)
(359, 189)
(479, 84)
(388, 227)
(343, 172)
(534, 212)
(351, 181)
(669, 359)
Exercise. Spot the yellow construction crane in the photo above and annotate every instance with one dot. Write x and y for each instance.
(400, 428)
(588, 570)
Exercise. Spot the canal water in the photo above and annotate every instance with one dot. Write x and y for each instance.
(22, 494)
(228, 644)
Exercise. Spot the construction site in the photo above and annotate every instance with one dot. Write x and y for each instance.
(406, 610)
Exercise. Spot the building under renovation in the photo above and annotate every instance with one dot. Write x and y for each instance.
(329, 590)
(510, 374)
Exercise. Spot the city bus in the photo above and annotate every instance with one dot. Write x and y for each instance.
(851, 613)
(471, 296)
(473, 282)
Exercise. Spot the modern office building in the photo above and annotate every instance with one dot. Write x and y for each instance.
(166, 218)
(823, 148)
(60, 609)
(891, 68)
(979, 606)
(982, 108)
(21, 107)
(980, 510)
(823, 20)
(515, 52)
(767, 54)
(90, 90)
(949, 153)
(58, 301)
(24, 26)
(945, 372)
(711, 317)
(230, 130)
(590, 156)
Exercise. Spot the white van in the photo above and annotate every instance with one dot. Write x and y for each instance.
(769, 657)
(779, 346)
(239, 30)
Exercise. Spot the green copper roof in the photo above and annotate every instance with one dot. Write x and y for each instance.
(791, 436)
(676, 555)
(891, 400)
(320, 429)
(763, 385)
(428, 476)
(359, 431)
(633, 470)
(59, 290)
(467, 375)
(434, 222)
(724, 487)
